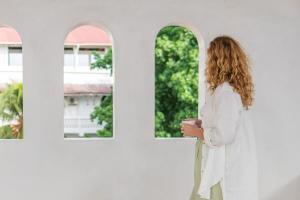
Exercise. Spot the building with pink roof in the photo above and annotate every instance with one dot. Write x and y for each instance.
(83, 87)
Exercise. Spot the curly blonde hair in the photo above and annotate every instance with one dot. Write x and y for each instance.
(226, 61)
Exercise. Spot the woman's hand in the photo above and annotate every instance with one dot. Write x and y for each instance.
(192, 130)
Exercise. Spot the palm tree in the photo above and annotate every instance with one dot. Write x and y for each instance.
(11, 109)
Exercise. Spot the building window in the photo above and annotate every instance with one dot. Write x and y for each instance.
(69, 58)
(84, 58)
(15, 57)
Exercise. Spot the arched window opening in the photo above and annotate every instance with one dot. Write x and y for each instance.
(176, 79)
(11, 84)
(88, 83)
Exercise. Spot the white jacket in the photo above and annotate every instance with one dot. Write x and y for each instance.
(229, 151)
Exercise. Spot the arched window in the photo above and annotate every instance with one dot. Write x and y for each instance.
(176, 79)
(88, 83)
(11, 84)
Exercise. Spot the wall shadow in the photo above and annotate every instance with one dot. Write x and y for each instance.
(290, 191)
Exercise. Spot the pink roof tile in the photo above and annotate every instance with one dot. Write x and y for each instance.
(80, 89)
(88, 34)
(86, 89)
(9, 36)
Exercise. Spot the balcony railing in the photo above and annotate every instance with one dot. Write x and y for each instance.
(80, 126)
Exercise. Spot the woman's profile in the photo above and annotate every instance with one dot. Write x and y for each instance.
(225, 157)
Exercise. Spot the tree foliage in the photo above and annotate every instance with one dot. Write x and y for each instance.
(103, 113)
(11, 108)
(176, 79)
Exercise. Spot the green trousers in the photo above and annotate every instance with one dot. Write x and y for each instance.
(216, 192)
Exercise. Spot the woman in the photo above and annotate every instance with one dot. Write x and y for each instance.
(225, 159)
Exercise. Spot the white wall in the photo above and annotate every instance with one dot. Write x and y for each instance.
(134, 165)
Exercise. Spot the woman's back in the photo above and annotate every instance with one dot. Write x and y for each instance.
(229, 151)
(241, 165)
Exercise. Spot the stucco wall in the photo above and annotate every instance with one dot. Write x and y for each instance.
(133, 165)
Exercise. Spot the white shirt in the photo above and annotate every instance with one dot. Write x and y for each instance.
(229, 150)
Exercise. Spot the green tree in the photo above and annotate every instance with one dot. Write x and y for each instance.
(11, 108)
(176, 79)
(103, 113)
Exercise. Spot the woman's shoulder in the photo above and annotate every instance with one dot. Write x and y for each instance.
(225, 89)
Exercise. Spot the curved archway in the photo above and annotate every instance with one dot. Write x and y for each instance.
(11, 84)
(178, 66)
(88, 83)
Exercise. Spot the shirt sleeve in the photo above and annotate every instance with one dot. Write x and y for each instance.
(225, 120)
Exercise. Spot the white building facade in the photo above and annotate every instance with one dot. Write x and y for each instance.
(83, 87)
